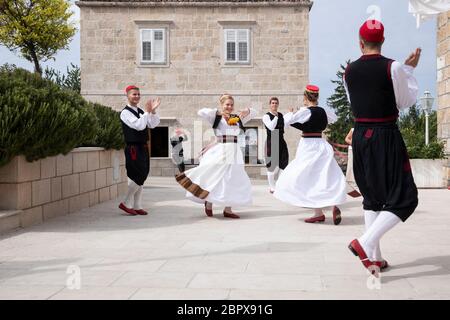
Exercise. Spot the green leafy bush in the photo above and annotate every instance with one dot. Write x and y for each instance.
(38, 118)
(109, 129)
(412, 126)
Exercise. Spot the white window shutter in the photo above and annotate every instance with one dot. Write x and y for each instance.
(230, 47)
(243, 45)
(158, 45)
(146, 39)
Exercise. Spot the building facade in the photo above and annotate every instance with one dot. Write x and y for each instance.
(189, 53)
(443, 83)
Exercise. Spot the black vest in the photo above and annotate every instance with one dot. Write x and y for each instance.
(133, 136)
(219, 117)
(316, 123)
(370, 88)
(279, 126)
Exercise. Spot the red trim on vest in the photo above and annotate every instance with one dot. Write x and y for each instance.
(370, 56)
(386, 119)
(133, 153)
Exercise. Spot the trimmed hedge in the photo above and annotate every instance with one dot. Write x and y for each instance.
(39, 119)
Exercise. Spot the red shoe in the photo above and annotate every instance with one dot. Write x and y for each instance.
(356, 248)
(336, 215)
(141, 212)
(129, 211)
(354, 194)
(383, 264)
(208, 212)
(315, 219)
(230, 215)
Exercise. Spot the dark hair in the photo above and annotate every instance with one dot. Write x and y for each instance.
(311, 96)
(372, 45)
(274, 99)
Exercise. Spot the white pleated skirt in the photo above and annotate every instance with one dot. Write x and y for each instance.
(313, 179)
(220, 178)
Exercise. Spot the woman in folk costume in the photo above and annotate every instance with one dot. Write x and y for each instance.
(137, 159)
(313, 179)
(220, 178)
(277, 154)
(378, 88)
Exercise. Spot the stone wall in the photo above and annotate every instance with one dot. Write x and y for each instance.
(196, 76)
(39, 190)
(443, 83)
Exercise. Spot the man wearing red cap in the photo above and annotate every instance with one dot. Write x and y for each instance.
(377, 89)
(137, 158)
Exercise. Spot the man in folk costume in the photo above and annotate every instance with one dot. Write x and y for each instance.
(378, 88)
(135, 122)
(313, 179)
(277, 154)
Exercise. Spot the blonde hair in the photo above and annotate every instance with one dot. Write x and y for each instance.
(224, 98)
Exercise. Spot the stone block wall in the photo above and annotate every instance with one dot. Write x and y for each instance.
(443, 83)
(61, 184)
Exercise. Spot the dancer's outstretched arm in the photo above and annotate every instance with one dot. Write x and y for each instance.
(208, 114)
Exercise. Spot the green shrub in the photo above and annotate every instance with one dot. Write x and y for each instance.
(39, 119)
(412, 126)
(109, 129)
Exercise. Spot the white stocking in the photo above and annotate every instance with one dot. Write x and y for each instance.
(132, 189)
(369, 218)
(138, 199)
(318, 213)
(271, 179)
(371, 238)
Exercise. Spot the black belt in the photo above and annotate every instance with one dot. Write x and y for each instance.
(312, 135)
(227, 139)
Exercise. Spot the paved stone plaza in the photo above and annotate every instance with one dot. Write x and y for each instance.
(178, 253)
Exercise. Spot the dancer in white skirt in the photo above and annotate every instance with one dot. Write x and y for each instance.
(220, 178)
(313, 179)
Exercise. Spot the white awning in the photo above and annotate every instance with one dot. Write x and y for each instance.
(425, 9)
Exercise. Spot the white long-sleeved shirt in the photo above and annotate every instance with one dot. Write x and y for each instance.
(304, 114)
(209, 115)
(146, 120)
(405, 85)
(271, 124)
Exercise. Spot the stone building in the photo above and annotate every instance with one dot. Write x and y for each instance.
(189, 53)
(443, 83)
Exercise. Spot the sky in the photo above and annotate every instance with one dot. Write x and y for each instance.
(333, 39)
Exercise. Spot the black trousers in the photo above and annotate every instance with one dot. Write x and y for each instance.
(137, 162)
(382, 169)
(276, 158)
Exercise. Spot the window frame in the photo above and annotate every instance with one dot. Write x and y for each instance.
(141, 46)
(236, 29)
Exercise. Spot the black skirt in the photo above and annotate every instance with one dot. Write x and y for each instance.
(276, 158)
(137, 162)
(382, 169)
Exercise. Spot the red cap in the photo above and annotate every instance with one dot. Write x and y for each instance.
(372, 31)
(312, 88)
(131, 88)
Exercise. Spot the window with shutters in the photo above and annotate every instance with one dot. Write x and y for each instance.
(237, 46)
(153, 46)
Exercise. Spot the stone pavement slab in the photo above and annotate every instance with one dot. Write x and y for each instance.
(176, 252)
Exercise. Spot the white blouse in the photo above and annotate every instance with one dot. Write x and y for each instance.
(149, 120)
(271, 124)
(304, 114)
(405, 85)
(209, 115)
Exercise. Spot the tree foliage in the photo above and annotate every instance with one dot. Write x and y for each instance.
(37, 28)
(338, 101)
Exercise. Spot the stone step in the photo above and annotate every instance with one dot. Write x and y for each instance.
(9, 220)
